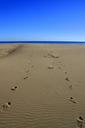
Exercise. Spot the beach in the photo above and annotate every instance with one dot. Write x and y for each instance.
(46, 76)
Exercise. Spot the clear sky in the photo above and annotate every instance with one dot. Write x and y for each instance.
(42, 20)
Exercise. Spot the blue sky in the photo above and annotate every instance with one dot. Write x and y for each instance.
(42, 20)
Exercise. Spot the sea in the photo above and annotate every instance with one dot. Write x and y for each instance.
(42, 42)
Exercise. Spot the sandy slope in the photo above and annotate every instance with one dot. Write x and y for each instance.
(46, 77)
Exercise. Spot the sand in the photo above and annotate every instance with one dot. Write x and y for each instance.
(46, 77)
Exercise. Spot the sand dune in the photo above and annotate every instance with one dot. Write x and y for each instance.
(43, 83)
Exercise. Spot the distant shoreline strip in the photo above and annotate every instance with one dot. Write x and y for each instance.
(41, 42)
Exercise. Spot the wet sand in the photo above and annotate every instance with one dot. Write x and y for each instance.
(46, 77)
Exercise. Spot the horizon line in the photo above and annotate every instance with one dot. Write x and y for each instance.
(55, 42)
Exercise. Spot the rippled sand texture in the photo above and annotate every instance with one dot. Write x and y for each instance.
(46, 77)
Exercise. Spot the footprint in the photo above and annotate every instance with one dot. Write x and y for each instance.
(71, 99)
(50, 67)
(53, 55)
(13, 88)
(70, 87)
(5, 106)
(26, 77)
(67, 79)
(65, 72)
(27, 71)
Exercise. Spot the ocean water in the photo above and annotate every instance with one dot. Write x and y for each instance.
(43, 42)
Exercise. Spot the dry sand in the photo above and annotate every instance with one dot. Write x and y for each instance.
(46, 77)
